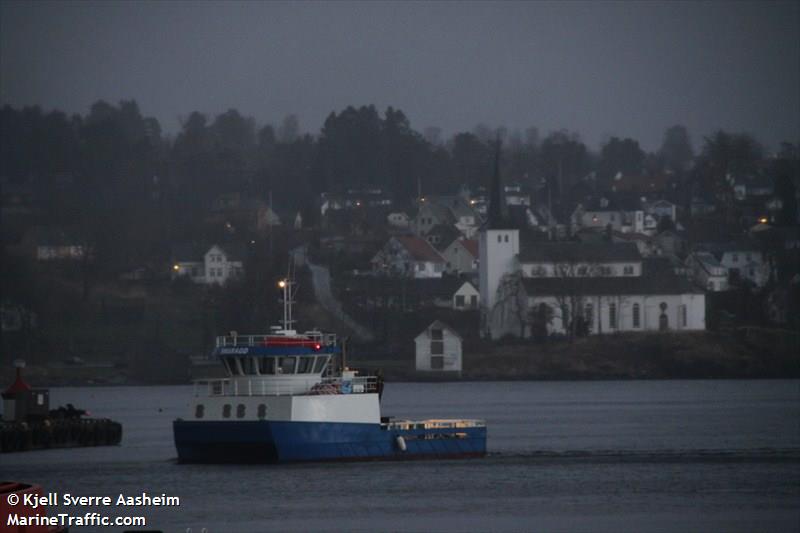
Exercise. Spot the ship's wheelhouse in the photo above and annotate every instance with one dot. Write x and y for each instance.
(272, 365)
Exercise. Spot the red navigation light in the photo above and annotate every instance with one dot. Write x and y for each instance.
(317, 346)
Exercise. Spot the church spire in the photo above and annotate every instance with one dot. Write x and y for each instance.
(496, 219)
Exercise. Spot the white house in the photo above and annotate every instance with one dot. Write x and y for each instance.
(214, 265)
(461, 256)
(466, 298)
(632, 221)
(438, 349)
(398, 219)
(742, 261)
(408, 256)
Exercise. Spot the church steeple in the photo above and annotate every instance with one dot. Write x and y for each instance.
(496, 219)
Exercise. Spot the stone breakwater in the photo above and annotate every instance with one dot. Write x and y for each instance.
(40, 435)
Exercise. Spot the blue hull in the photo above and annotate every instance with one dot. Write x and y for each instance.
(277, 442)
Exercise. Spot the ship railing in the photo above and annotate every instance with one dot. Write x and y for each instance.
(326, 339)
(353, 385)
(238, 387)
(434, 424)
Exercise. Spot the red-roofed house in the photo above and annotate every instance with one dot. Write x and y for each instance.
(462, 256)
(409, 256)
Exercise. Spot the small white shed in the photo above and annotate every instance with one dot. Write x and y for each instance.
(438, 349)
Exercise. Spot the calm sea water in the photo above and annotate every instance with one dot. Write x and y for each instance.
(564, 456)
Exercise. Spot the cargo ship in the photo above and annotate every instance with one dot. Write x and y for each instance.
(290, 397)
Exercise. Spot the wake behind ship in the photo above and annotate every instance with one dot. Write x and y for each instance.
(289, 397)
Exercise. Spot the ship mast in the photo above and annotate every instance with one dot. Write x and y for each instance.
(289, 289)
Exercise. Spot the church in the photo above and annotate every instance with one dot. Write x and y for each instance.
(542, 288)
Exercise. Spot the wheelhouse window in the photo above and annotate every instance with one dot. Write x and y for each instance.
(249, 365)
(306, 365)
(320, 363)
(266, 366)
(232, 364)
(286, 365)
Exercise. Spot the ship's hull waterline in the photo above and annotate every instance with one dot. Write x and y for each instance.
(267, 441)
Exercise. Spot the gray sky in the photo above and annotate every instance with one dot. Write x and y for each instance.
(600, 68)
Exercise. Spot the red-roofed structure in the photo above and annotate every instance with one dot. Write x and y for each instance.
(409, 256)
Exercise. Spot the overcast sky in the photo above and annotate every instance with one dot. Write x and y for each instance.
(600, 68)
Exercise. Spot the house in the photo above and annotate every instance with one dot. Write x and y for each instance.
(442, 235)
(742, 260)
(605, 212)
(354, 199)
(51, 243)
(408, 256)
(398, 219)
(660, 209)
(461, 256)
(438, 349)
(707, 271)
(750, 187)
(430, 214)
(214, 265)
(514, 195)
(466, 297)
(237, 211)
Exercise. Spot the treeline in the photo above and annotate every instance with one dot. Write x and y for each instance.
(120, 162)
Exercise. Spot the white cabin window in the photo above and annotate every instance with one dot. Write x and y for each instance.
(628, 270)
(226, 410)
(262, 411)
(240, 410)
(199, 410)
